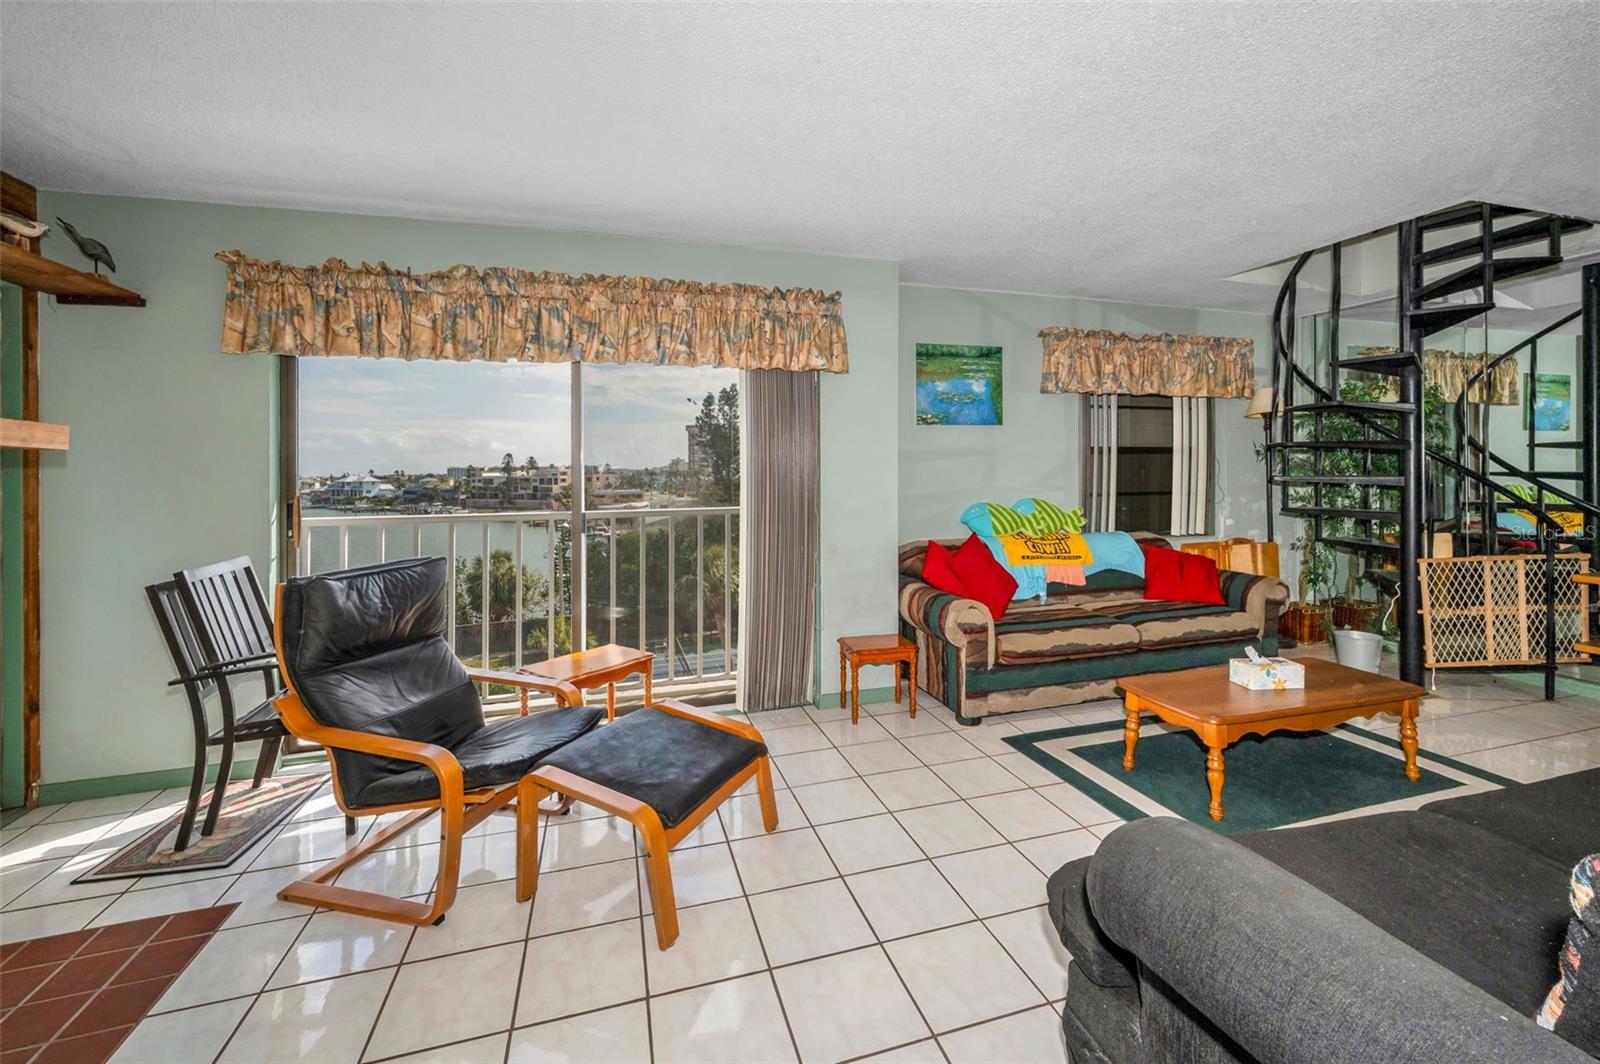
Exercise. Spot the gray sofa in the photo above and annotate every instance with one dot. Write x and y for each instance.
(1425, 936)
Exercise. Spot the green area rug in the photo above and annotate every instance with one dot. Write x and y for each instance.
(1283, 778)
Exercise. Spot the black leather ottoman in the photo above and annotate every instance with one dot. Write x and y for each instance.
(664, 768)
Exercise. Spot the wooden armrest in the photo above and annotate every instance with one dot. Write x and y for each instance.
(595, 794)
(298, 720)
(710, 718)
(565, 693)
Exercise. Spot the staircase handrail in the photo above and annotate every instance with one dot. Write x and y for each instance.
(1284, 357)
(1567, 503)
(1285, 367)
(1474, 444)
(1538, 510)
(1493, 364)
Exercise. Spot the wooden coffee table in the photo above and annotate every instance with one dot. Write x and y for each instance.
(600, 666)
(1221, 713)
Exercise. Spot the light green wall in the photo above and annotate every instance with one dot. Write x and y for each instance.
(173, 444)
(1037, 451)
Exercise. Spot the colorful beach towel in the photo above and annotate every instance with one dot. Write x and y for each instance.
(1057, 548)
(1026, 537)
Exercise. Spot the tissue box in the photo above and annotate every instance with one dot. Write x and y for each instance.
(1267, 674)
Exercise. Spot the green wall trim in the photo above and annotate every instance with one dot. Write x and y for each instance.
(132, 783)
(829, 699)
(12, 790)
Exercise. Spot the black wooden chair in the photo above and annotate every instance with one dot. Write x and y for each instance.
(201, 676)
(216, 625)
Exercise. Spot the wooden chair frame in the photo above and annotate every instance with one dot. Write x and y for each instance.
(459, 810)
(658, 840)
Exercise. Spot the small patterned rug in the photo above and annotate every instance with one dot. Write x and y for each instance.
(247, 814)
(75, 997)
(1274, 780)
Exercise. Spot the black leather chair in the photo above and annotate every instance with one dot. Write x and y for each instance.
(371, 677)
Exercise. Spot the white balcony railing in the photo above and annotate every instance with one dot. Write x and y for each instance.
(666, 580)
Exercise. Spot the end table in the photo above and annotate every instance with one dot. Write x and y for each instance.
(600, 666)
(858, 650)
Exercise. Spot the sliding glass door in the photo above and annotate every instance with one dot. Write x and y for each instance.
(661, 543)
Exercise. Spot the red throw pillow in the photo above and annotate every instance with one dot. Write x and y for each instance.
(1202, 581)
(1175, 576)
(986, 579)
(938, 570)
(1161, 577)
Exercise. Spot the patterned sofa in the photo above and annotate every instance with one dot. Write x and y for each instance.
(1073, 646)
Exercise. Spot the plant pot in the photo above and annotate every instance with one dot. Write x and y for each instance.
(1354, 615)
(1358, 650)
(1304, 623)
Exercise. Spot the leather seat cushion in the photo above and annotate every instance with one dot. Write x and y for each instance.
(493, 756)
(667, 762)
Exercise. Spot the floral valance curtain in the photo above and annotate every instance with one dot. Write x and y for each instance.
(1102, 362)
(1449, 371)
(499, 314)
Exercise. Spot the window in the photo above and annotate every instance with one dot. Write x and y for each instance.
(1147, 463)
(475, 460)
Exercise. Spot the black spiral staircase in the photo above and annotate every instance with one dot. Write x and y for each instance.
(1358, 470)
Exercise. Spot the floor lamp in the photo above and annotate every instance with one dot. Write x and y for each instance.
(1261, 408)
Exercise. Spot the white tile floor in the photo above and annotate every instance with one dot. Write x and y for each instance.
(897, 914)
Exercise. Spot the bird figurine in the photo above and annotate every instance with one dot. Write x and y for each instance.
(92, 249)
(18, 230)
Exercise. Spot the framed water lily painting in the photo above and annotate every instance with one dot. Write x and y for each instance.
(959, 384)
(1551, 409)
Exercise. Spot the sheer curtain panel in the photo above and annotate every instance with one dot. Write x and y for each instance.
(782, 503)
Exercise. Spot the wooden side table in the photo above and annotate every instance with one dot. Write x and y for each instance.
(601, 666)
(858, 650)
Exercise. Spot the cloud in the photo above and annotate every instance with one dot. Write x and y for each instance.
(358, 414)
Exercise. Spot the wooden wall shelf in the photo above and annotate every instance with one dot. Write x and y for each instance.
(26, 269)
(32, 435)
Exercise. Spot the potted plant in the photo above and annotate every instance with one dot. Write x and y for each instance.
(1305, 620)
(1348, 610)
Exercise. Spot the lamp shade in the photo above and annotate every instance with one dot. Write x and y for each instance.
(1261, 403)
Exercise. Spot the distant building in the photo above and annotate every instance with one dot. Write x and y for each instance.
(522, 489)
(355, 486)
(421, 488)
(697, 449)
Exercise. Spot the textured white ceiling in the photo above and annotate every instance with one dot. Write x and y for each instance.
(1138, 152)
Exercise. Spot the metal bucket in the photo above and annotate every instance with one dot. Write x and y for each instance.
(1358, 650)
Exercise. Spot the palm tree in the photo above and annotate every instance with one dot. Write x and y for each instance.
(507, 464)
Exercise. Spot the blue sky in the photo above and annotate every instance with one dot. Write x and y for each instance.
(386, 414)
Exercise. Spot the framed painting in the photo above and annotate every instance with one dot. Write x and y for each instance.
(1551, 409)
(959, 384)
